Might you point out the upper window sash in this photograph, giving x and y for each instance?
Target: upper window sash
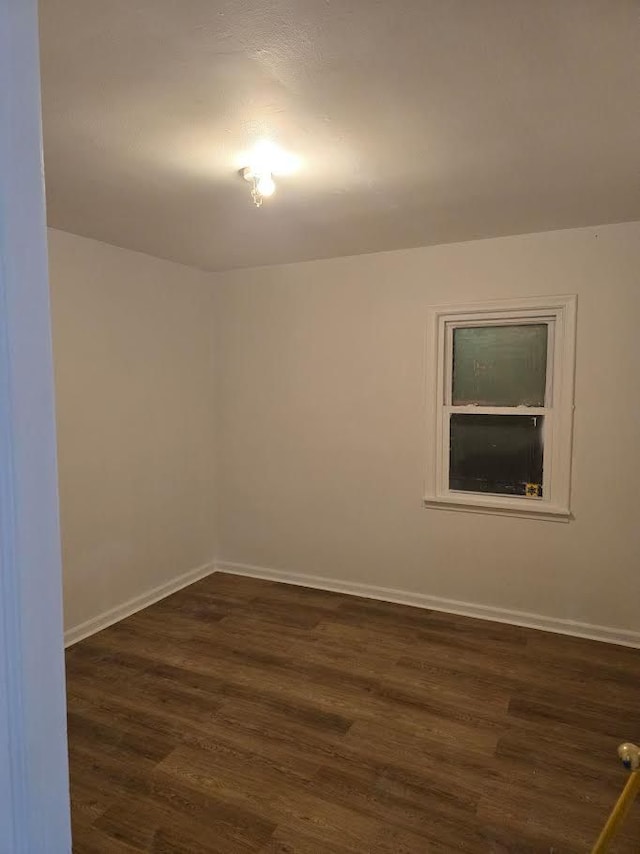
(449, 327)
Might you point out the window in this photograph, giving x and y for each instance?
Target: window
(500, 406)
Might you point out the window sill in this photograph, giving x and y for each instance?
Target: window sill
(532, 509)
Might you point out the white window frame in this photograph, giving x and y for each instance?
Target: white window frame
(560, 313)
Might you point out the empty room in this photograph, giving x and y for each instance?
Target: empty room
(344, 305)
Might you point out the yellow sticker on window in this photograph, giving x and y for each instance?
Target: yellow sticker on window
(533, 490)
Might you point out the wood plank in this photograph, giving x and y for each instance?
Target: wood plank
(241, 715)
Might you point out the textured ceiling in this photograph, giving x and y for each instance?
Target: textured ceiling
(418, 121)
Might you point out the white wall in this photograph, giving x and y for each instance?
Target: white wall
(314, 451)
(133, 362)
(320, 383)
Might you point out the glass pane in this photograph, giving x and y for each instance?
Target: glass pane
(500, 365)
(499, 454)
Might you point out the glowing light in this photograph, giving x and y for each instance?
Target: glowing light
(265, 160)
(266, 156)
(265, 185)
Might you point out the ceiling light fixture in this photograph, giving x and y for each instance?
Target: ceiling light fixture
(265, 161)
(262, 184)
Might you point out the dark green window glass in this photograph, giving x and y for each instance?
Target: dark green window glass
(499, 454)
(500, 365)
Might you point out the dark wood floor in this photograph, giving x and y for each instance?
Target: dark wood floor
(247, 716)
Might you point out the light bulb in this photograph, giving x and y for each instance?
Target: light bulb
(265, 185)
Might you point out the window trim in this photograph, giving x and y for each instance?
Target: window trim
(560, 312)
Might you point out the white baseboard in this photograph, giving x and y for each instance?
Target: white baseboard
(608, 634)
(114, 615)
